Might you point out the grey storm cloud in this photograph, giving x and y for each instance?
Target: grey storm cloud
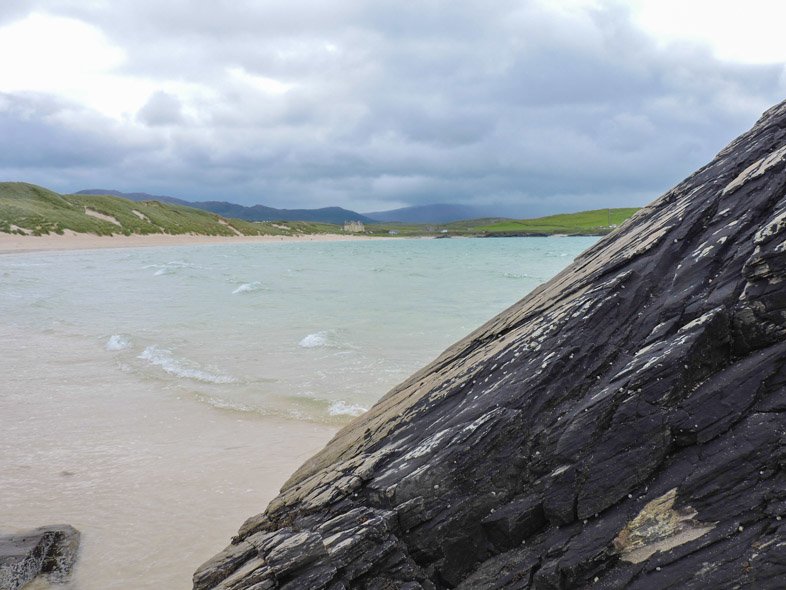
(44, 132)
(387, 104)
(161, 109)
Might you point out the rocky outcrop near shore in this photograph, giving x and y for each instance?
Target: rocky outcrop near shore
(623, 426)
(49, 551)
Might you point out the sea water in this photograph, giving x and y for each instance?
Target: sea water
(154, 397)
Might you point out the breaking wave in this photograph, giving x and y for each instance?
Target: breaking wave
(184, 368)
(316, 340)
(170, 267)
(117, 342)
(248, 288)
(342, 408)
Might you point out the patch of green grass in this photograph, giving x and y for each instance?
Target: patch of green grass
(30, 209)
(597, 221)
(306, 227)
(401, 230)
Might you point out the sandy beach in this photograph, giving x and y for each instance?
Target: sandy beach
(156, 481)
(13, 243)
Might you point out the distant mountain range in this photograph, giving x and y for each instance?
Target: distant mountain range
(440, 213)
(335, 215)
(29, 209)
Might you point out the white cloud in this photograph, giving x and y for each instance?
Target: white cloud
(746, 32)
(262, 84)
(569, 104)
(67, 58)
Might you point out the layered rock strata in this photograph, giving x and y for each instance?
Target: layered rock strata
(49, 551)
(623, 426)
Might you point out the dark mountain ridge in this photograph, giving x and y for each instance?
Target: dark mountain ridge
(334, 215)
(437, 213)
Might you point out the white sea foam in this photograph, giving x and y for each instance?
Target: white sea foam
(342, 408)
(315, 340)
(181, 264)
(163, 358)
(248, 288)
(170, 267)
(118, 342)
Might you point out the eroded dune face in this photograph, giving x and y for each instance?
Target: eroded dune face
(622, 426)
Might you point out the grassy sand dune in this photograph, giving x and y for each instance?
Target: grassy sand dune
(27, 209)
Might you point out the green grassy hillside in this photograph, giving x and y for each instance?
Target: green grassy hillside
(596, 222)
(29, 209)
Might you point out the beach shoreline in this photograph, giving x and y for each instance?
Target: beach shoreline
(156, 480)
(155, 398)
(18, 244)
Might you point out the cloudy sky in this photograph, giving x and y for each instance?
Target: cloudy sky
(528, 106)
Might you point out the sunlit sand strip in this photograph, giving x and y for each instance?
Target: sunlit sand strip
(13, 243)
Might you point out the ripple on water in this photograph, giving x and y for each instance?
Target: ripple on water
(183, 368)
(249, 288)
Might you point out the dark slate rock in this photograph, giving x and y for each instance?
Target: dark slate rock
(510, 524)
(623, 425)
(49, 551)
(219, 567)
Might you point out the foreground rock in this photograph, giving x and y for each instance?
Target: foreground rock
(50, 551)
(622, 426)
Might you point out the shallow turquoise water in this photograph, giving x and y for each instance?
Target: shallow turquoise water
(315, 330)
(147, 395)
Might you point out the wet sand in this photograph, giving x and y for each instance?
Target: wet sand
(156, 481)
(11, 243)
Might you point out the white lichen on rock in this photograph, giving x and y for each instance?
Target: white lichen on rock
(771, 228)
(756, 169)
(659, 527)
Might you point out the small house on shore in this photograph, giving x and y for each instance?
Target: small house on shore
(354, 227)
